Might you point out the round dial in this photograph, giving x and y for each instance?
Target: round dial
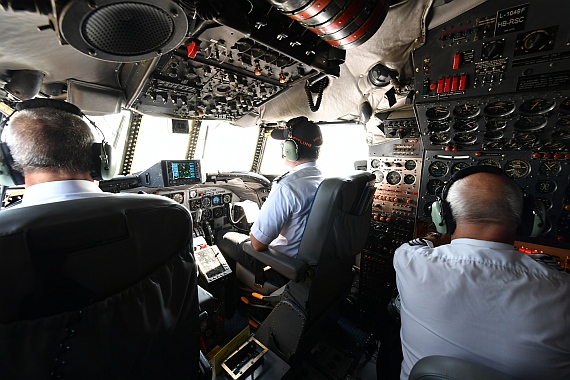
(433, 186)
(545, 186)
(410, 165)
(216, 200)
(177, 197)
(553, 146)
(496, 125)
(490, 162)
(550, 168)
(438, 169)
(458, 166)
(375, 163)
(226, 198)
(561, 134)
(492, 49)
(530, 123)
(193, 193)
(546, 202)
(517, 168)
(437, 113)
(537, 106)
(494, 145)
(206, 202)
(195, 204)
(512, 145)
(438, 127)
(531, 145)
(565, 121)
(409, 179)
(218, 212)
(565, 105)
(526, 137)
(440, 139)
(493, 135)
(465, 126)
(499, 109)
(379, 175)
(466, 111)
(466, 138)
(393, 178)
(207, 213)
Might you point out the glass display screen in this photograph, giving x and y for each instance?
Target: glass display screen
(184, 170)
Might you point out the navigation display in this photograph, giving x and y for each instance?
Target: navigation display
(182, 172)
(186, 170)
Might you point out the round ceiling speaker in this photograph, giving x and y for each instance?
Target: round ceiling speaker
(119, 31)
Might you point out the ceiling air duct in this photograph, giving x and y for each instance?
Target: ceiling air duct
(341, 23)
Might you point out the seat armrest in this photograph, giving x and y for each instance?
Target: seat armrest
(289, 267)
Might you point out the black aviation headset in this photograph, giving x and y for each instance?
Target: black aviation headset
(103, 165)
(533, 218)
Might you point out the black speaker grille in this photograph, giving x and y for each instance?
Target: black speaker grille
(128, 29)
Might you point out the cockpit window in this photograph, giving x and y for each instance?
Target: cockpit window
(343, 144)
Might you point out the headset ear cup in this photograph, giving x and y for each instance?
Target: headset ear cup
(8, 175)
(441, 217)
(290, 150)
(103, 165)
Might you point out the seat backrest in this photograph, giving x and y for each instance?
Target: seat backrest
(97, 288)
(335, 233)
(438, 367)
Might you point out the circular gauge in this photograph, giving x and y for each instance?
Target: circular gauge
(226, 198)
(546, 202)
(499, 109)
(218, 212)
(466, 111)
(178, 198)
(437, 113)
(525, 137)
(494, 145)
(492, 49)
(561, 134)
(490, 162)
(537, 106)
(465, 126)
(433, 186)
(216, 200)
(550, 168)
(393, 178)
(379, 175)
(517, 168)
(193, 193)
(438, 169)
(410, 165)
(512, 145)
(375, 163)
(565, 105)
(545, 186)
(530, 123)
(565, 121)
(458, 166)
(409, 179)
(553, 146)
(531, 145)
(496, 125)
(493, 135)
(206, 202)
(438, 127)
(207, 213)
(467, 138)
(440, 139)
(195, 204)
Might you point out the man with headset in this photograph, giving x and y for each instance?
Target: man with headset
(48, 143)
(478, 298)
(282, 217)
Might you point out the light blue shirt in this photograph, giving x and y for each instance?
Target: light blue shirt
(487, 303)
(282, 218)
(57, 191)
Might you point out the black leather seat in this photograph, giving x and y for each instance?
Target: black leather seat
(438, 367)
(322, 273)
(98, 288)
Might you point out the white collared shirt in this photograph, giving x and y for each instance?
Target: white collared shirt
(283, 216)
(57, 191)
(484, 302)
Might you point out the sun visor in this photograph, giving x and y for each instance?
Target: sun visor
(94, 99)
